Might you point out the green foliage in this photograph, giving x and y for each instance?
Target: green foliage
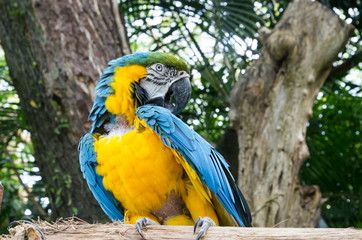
(16, 158)
(334, 132)
(210, 36)
(334, 141)
(349, 9)
(12, 207)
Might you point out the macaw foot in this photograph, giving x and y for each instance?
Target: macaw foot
(142, 223)
(204, 224)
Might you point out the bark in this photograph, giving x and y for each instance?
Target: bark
(55, 52)
(271, 105)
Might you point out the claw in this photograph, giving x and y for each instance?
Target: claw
(204, 224)
(142, 223)
(196, 223)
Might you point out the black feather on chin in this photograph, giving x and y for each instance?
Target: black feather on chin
(157, 101)
(140, 94)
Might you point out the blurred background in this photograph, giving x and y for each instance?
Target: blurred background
(219, 40)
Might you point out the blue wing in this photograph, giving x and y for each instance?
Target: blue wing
(210, 166)
(88, 162)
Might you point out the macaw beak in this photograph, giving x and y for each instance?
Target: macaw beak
(181, 91)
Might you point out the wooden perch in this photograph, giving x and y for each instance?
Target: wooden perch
(71, 230)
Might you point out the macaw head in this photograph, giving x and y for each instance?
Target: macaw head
(138, 79)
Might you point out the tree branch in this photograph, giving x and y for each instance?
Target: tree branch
(347, 65)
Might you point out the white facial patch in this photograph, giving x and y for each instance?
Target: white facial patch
(158, 80)
(153, 90)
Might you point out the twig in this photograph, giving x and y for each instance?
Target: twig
(280, 222)
(27, 222)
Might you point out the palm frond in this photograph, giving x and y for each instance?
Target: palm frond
(209, 34)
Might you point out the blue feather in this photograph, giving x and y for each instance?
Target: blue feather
(210, 166)
(88, 162)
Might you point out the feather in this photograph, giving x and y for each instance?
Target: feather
(88, 162)
(210, 166)
(105, 86)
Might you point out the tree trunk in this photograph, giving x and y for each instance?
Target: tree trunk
(271, 105)
(55, 52)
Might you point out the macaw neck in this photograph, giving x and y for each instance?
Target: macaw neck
(121, 120)
(119, 128)
(122, 101)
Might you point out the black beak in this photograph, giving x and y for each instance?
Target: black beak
(181, 90)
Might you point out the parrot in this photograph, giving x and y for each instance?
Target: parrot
(143, 164)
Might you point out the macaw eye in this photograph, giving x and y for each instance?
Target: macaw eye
(159, 67)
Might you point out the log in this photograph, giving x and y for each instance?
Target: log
(71, 230)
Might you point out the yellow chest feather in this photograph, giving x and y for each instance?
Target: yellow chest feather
(138, 169)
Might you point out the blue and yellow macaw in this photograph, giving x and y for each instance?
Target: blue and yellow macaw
(143, 164)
